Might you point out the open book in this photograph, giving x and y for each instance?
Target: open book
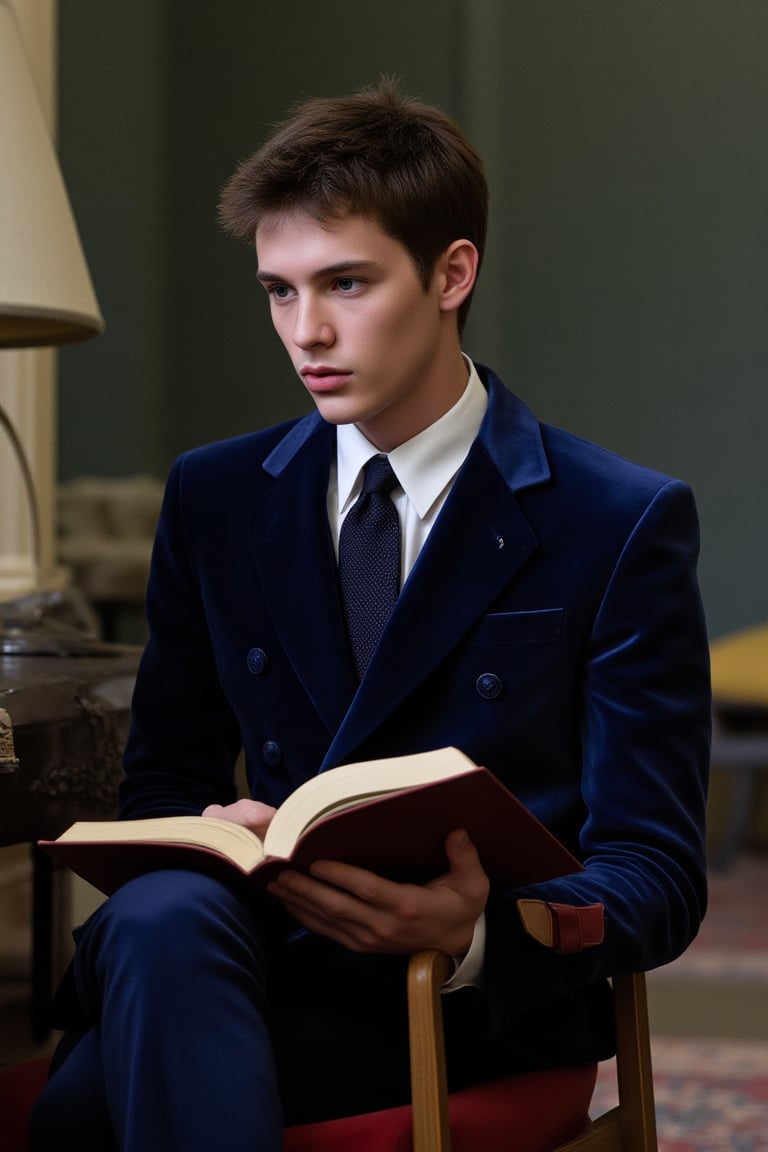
(390, 816)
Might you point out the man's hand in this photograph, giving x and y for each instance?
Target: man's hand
(367, 913)
(251, 813)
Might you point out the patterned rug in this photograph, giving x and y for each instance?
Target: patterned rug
(712, 1094)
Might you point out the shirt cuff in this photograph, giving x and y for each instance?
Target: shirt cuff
(468, 970)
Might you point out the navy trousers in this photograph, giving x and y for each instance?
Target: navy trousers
(206, 1024)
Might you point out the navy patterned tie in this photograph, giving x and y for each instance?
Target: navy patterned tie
(369, 560)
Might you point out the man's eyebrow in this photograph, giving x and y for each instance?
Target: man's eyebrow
(343, 268)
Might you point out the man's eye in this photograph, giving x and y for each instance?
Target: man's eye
(279, 291)
(347, 283)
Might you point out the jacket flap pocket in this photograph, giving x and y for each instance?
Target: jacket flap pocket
(521, 627)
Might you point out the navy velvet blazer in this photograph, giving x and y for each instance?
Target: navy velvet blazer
(551, 628)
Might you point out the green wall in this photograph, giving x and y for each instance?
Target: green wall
(625, 291)
(113, 143)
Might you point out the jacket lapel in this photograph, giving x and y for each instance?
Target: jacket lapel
(293, 552)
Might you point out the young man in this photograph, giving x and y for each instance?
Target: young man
(548, 624)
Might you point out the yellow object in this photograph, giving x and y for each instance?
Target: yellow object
(740, 667)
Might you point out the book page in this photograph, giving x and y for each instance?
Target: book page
(232, 840)
(351, 784)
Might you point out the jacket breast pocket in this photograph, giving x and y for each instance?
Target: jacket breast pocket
(536, 627)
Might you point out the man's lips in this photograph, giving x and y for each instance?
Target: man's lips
(320, 378)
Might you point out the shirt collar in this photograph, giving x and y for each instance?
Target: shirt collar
(426, 463)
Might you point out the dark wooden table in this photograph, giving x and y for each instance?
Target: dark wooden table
(70, 718)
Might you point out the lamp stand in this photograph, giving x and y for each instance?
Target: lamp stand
(44, 623)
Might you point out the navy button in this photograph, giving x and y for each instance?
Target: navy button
(272, 753)
(489, 685)
(257, 661)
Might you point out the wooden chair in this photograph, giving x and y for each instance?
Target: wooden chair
(630, 1127)
(535, 1112)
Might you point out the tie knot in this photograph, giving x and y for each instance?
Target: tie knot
(378, 476)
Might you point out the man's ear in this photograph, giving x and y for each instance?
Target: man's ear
(456, 273)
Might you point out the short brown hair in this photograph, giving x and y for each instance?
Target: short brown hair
(378, 154)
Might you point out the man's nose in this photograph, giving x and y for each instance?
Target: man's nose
(312, 325)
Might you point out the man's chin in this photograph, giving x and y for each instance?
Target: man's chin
(336, 410)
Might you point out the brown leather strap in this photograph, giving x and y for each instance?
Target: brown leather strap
(566, 928)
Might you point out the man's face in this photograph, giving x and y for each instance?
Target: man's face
(371, 345)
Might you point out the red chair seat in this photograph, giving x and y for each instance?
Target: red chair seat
(541, 1109)
(19, 1087)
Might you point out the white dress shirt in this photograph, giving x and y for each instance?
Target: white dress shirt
(425, 467)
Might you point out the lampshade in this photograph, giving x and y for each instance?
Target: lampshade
(46, 295)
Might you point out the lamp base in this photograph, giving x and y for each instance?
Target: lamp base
(50, 624)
